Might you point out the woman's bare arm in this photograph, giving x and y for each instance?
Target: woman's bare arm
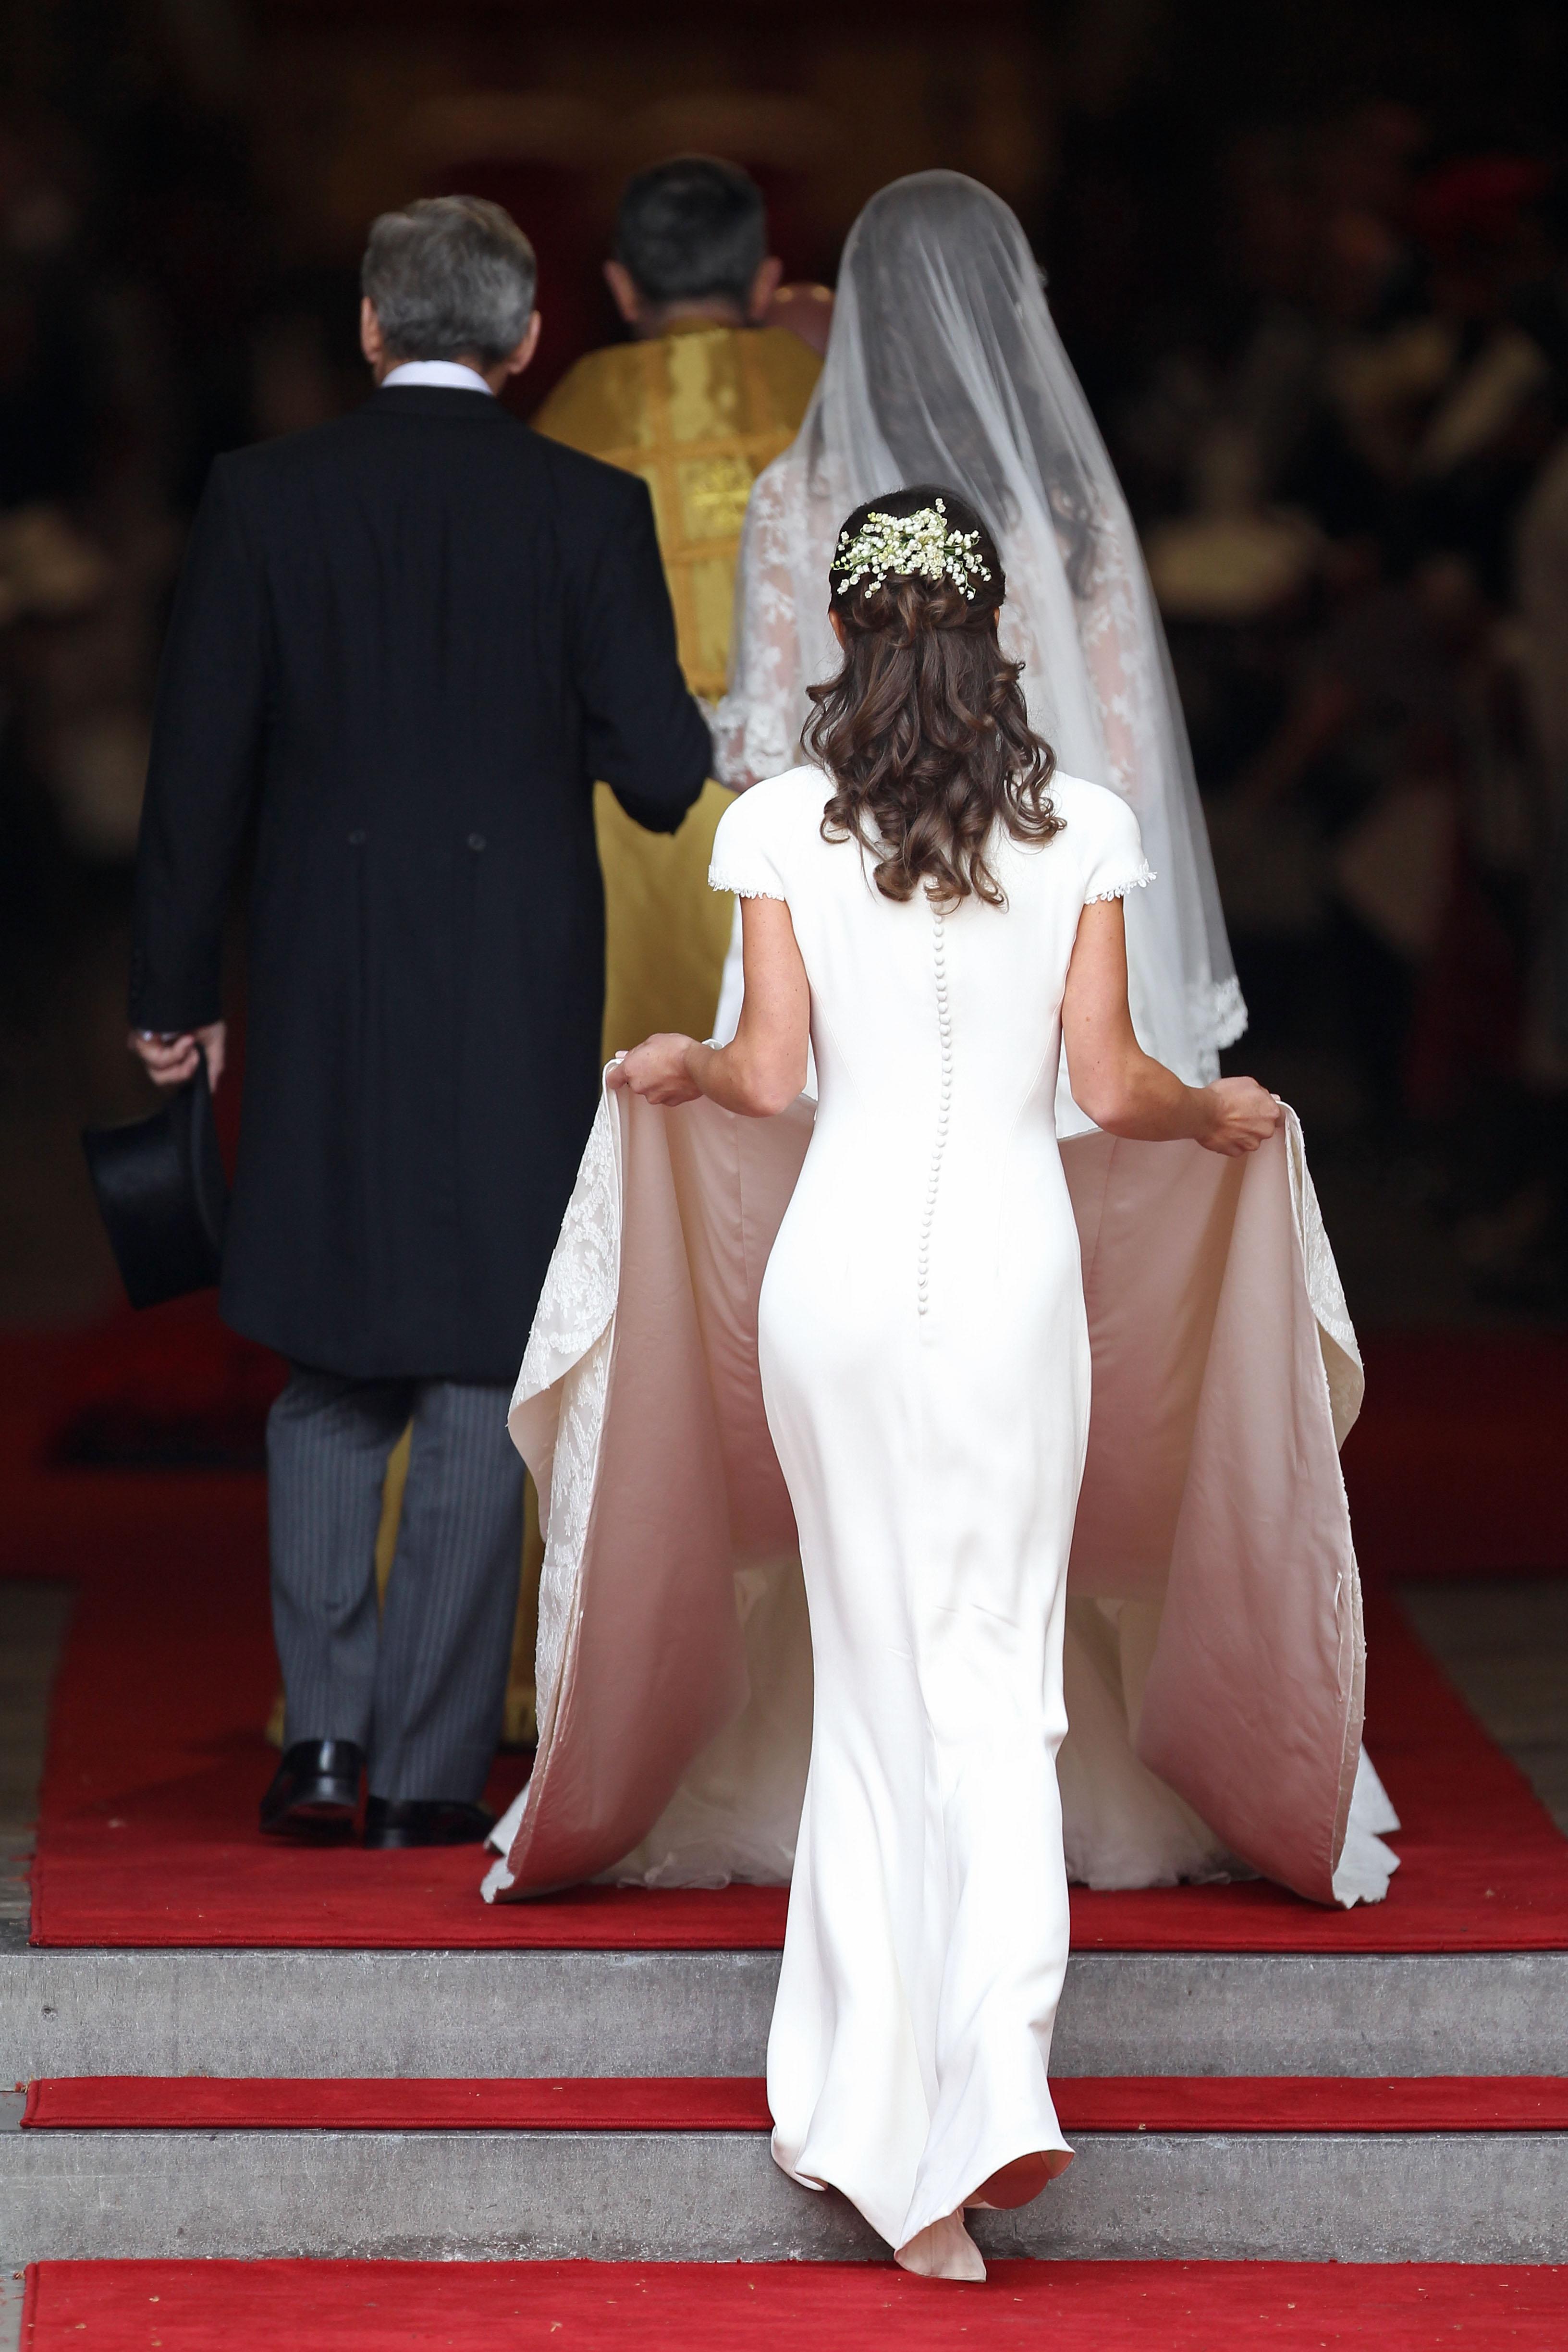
(762, 1068)
(1123, 1089)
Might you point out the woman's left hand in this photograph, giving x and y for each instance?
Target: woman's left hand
(1240, 1115)
(657, 1070)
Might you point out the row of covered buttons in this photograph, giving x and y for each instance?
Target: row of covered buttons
(944, 1101)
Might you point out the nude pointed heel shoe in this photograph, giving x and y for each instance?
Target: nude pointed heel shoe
(944, 2249)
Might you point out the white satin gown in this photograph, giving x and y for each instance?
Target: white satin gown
(925, 1365)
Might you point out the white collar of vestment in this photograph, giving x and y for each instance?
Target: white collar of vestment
(451, 373)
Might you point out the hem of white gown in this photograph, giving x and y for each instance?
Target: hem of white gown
(1029, 2140)
(943, 2249)
(1365, 1864)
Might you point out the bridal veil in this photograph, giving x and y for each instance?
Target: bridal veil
(944, 366)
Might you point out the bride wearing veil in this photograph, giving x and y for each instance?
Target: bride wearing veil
(943, 364)
(1214, 1655)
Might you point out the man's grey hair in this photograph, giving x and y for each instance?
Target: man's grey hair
(447, 276)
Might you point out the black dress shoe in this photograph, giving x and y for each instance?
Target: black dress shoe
(315, 1791)
(425, 1821)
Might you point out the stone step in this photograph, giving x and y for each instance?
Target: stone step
(708, 2196)
(11, 2289)
(324, 2013)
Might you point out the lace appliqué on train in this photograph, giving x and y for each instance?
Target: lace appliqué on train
(570, 1346)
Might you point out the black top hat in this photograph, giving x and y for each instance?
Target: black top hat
(163, 1193)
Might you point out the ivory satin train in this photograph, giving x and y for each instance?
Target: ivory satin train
(1214, 1653)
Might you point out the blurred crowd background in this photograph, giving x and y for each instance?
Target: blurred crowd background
(1311, 263)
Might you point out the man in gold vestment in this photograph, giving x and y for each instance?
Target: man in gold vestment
(699, 401)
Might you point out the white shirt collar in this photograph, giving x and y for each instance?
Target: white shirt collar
(452, 373)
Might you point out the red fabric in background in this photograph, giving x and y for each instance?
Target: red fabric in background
(157, 1764)
(1085, 2103)
(385, 2307)
(1459, 1466)
(169, 1389)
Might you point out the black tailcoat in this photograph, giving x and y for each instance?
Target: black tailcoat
(406, 644)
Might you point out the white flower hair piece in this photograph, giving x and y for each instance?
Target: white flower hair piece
(904, 545)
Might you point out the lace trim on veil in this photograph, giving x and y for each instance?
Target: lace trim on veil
(1219, 1010)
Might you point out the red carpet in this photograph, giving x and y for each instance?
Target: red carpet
(1174, 2103)
(156, 1766)
(584, 2102)
(290, 2306)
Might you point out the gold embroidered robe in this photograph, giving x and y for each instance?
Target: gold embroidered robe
(698, 413)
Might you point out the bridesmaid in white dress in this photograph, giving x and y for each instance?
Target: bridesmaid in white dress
(936, 909)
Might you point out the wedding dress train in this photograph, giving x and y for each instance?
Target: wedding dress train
(670, 1537)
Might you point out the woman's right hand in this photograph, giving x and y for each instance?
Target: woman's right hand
(657, 1070)
(1240, 1115)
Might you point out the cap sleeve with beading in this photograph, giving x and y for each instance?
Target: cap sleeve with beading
(1116, 863)
(743, 861)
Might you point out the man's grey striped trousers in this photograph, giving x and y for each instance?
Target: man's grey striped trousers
(420, 1684)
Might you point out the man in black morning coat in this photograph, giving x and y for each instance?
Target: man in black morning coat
(405, 646)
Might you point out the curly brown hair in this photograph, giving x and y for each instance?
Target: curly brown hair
(924, 731)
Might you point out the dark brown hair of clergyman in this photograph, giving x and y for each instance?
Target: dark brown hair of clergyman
(924, 731)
